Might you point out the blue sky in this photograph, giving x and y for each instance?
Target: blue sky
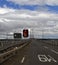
(14, 5)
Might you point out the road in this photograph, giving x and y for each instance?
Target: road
(35, 53)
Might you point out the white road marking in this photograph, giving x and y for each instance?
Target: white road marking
(54, 51)
(22, 59)
(51, 59)
(51, 49)
(44, 58)
(45, 47)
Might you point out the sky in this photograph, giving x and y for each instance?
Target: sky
(41, 16)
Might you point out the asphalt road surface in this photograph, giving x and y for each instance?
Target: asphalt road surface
(35, 53)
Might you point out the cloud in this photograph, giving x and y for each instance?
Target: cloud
(5, 10)
(26, 1)
(52, 2)
(13, 20)
(38, 2)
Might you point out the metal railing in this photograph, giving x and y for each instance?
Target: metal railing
(10, 47)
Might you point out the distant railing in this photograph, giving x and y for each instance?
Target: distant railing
(45, 34)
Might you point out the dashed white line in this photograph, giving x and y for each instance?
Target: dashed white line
(51, 49)
(22, 61)
(54, 51)
(45, 47)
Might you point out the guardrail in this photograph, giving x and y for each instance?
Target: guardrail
(12, 50)
(53, 42)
